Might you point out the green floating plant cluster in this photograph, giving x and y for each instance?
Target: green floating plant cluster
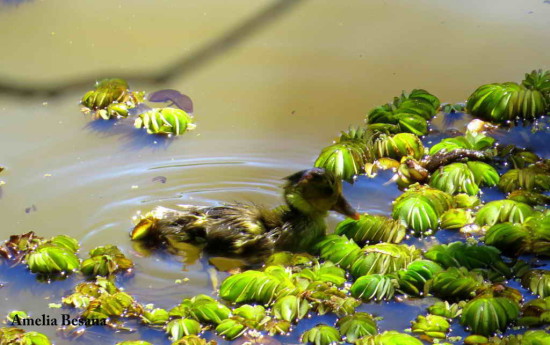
(112, 98)
(57, 257)
(17, 336)
(511, 101)
(407, 113)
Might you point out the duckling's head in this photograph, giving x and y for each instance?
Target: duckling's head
(315, 192)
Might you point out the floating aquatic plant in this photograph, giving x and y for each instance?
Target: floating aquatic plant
(372, 229)
(501, 211)
(487, 314)
(102, 300)
(165, 121)
(460, 254)
(420, 208)
(201, 308)
(353, 327)
(291, 308)
(535, 312)
(54, 256)
(17, 336)
(446, 309)
(388, 338)
(340, 250)
(413, 279)
(530, 236)
(455, 284)
(456, 218)
(528, 338)
(348, 155)
(251, 286)
(432, 326)
(464, 177)
(529, 198)
(470, 140)
(374, 287)
(384, 258)
(506, 102)
(537, 281)
(407, 113)
(111, 98)
(178, 328)
(156, 316)
(532, 178)
(321, 335)
(398, 146)
(104, 261)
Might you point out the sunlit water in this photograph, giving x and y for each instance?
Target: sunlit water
(267, 99)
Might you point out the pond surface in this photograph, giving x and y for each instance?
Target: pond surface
(272, 83)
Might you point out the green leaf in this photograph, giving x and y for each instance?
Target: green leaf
(470, 141)
(485, 315)
(456, 218)
(532, 236)
(231, 329)
(106, 92)
(355, 326)
(344, 159)
(446, 310)
(372, 229)
(464, 200)
(340, 250)
(290, 308)
(49, 258)
(535, 312)
(321, 335)
(398, 146)
(538, 282)
(460, 254)
(432, 326)
(165, 121)
(375, 287)
(155, 317)
(384, 258)
(420, 208)
(500, 211)
(389, 338)
(505, 102)
(251, 313)
(413, 279)
(455, 284)
(325, 272)
(180, 327)
(532, 178)
(538, 80)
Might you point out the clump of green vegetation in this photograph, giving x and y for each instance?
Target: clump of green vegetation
(511, 101)
(165, 121)
(111, 98)
(17, 336)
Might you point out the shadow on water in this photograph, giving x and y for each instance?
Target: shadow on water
(132, 139)
(186, 64)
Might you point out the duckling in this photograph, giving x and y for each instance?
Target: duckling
(249, 229)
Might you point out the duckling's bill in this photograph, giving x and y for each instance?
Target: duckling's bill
(342, 206)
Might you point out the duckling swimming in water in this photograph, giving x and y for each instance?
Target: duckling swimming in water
(252, 230)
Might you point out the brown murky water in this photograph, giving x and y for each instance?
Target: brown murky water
(273, 82)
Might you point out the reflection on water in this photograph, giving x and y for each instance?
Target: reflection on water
(276, 83)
